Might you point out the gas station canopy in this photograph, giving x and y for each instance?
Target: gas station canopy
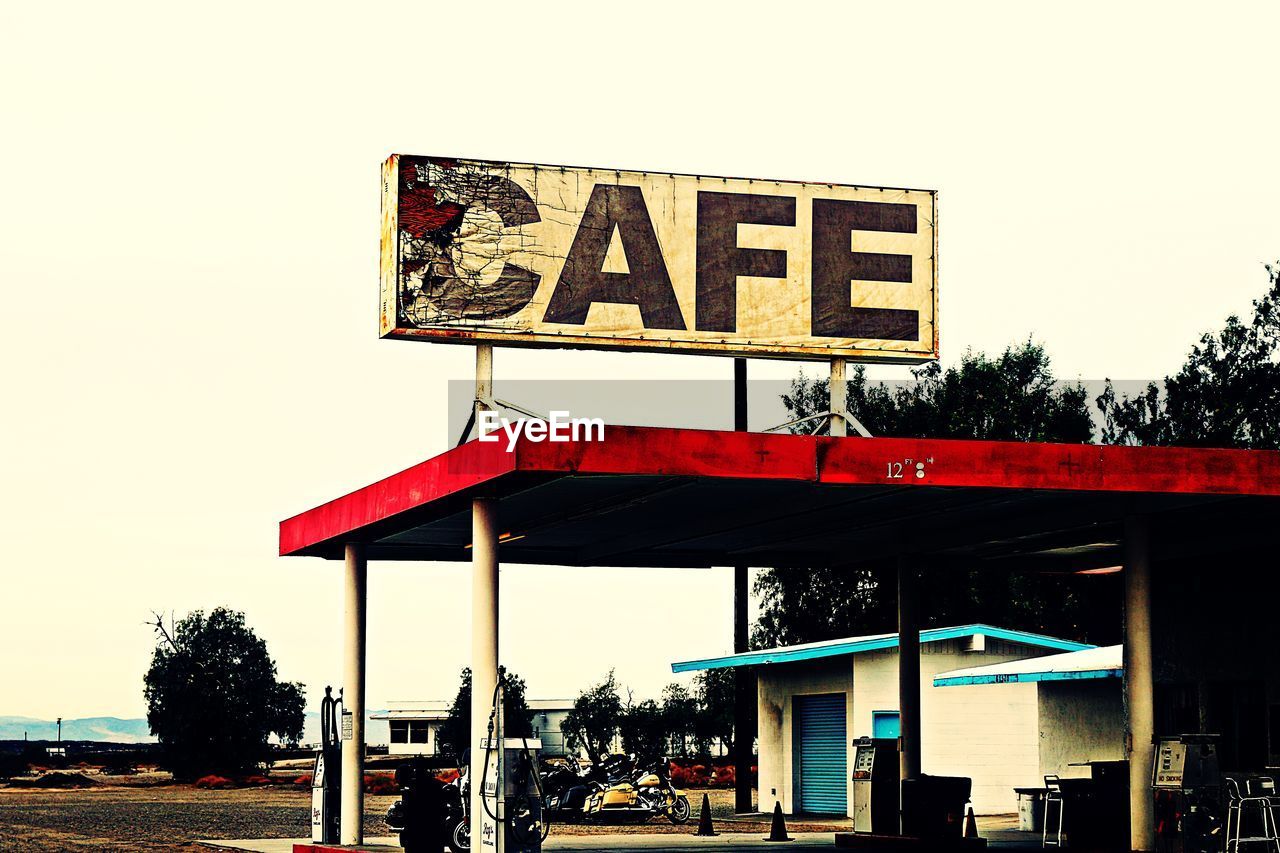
(694, 498)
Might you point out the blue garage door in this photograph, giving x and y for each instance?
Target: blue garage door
(823, 754)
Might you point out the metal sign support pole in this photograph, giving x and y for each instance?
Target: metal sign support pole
(839, 407)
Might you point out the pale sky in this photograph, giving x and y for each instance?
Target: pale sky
(189, 210)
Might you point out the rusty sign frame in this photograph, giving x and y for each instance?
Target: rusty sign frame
(392, 319)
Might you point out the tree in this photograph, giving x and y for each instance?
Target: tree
(643, 729)
(1227, 394)
(594, 720)
(455, 732)
(715, 708)
(680, 710)
(213, 699)
(1014, 397)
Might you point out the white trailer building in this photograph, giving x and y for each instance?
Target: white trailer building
(415, 725)
(815, 699)
(1079, 704)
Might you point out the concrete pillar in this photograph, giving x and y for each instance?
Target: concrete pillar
(839, 405)
(909, 666)
(484, 653)
(744, 687)
(744, 698)
(355, 589)
(1139, 681)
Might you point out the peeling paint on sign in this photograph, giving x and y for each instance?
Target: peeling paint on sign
(519, 254)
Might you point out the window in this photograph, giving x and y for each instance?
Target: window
(399, 731)
(419, 732)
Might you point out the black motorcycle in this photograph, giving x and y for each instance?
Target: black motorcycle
(564, 789)
(428, 807)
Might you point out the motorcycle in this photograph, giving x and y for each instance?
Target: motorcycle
(647, 794)
(454, 826)
(565, 790)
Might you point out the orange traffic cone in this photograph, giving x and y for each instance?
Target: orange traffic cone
(778, 831)
(704, 819)
(970, 825)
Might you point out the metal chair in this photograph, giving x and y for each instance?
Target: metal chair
(1241, 802)
(1054, 787)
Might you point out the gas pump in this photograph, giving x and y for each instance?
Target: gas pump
(512, 818)
(326, 775)
(875, 786)
(1188, 789)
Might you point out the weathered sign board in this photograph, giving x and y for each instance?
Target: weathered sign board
(525, 255)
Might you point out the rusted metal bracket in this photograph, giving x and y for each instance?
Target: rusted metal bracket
(821, 419)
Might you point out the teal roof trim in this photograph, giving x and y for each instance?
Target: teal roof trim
(1027, 677)
(856, 645)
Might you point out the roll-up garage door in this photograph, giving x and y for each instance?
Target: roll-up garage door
(823, 754)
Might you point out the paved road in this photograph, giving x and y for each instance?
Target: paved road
(727, 842)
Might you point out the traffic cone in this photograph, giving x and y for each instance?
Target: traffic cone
(704, 819)
(970, 825)
(778, 831)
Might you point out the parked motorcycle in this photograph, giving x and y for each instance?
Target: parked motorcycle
(649, 793)
(449, 814)
(565, 788)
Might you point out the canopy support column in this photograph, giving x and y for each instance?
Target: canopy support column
(908, 666)
(744, 684)
(1139, 689)
(484, 655)
(355, 588)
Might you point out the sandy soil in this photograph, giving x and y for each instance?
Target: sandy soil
(116, 817)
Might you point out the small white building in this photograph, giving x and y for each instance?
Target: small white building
(1079, 704)
(414, 725)
(815, 699)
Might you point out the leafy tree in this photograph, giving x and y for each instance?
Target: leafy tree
(594, 720)
(1014, 397)
(1227, 394)
(455, 732)
(213, 699)
(715, 708)
(680, 710)
(643, 729)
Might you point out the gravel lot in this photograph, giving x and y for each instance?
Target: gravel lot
(172, 817)
(168, 817)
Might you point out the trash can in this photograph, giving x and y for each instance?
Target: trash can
(933, 807)
(1031, 808)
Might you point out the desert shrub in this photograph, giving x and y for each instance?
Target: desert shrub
(12, 765)
(55, 780)
(380, 783)
(214, 782)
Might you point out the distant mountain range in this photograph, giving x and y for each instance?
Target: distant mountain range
(136, 730)
(113, 729)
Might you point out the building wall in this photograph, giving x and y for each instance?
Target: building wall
(988, 733)
(777, 686)
(549, 727)
(1079, 721)
(426, 749)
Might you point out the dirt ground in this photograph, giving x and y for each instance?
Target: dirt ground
(116, 817)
